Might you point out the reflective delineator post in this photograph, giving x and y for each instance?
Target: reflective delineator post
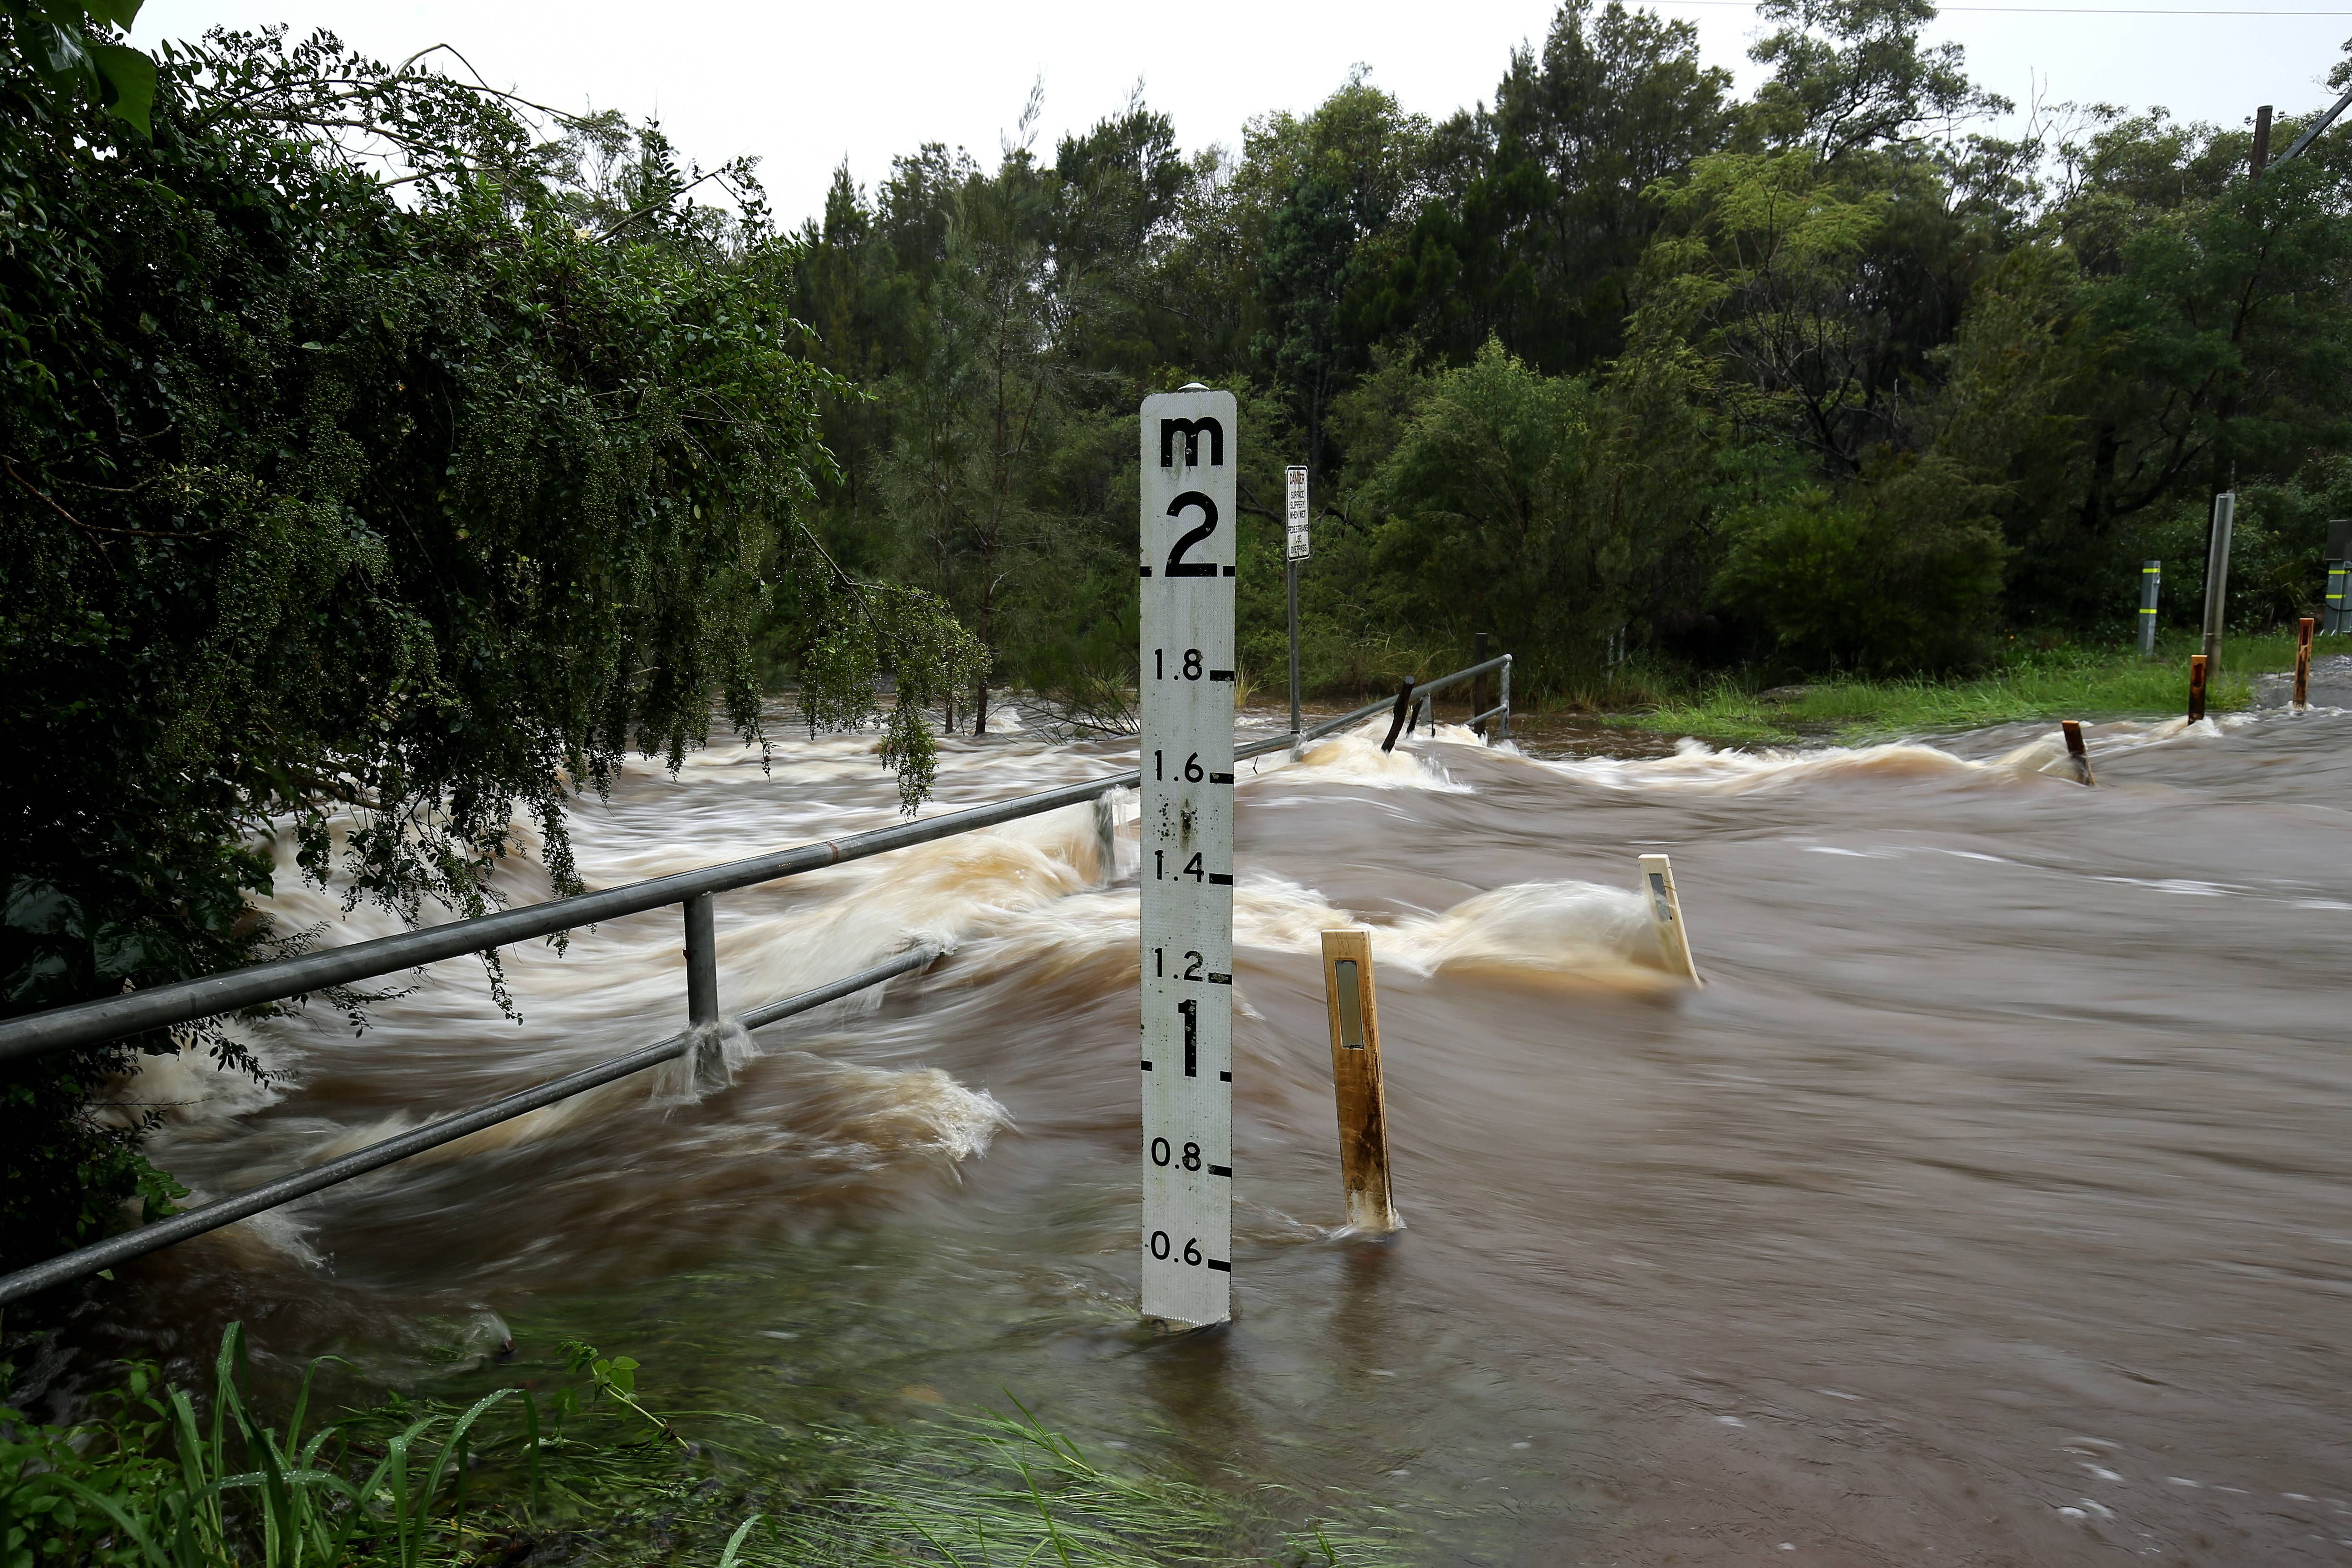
(2196, 686)
(2151, 580)
(2302, 662)
(2078, 752)
(1355, 1080)
(1667, 917)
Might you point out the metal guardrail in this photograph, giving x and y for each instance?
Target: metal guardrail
(110, 1017)
(154, 1237)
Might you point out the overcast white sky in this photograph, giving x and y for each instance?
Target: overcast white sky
(803, 86)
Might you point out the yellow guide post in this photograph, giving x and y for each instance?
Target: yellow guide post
(1356, 1080)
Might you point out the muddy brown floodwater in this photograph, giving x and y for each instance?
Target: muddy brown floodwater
(1991, 1205)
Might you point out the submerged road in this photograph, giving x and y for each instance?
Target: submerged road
(1992, 1204)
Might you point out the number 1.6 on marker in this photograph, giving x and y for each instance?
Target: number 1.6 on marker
(1191, 447)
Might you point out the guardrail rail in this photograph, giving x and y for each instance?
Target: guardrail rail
(230, 991)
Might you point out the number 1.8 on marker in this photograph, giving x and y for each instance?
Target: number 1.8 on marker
(1190, 449)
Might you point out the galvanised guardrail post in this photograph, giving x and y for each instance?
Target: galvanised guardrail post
(701, 961)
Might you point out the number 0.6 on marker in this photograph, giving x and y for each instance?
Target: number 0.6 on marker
(1185, 576)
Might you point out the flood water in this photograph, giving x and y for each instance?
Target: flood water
(1992, 1204)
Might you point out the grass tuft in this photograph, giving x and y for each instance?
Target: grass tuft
(154, 1483)
(2068, 683)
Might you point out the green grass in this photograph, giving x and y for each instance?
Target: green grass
(586, 1471)
(2066, 683)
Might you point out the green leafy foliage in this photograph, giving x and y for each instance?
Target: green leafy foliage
(1829, 350)
(376, 528)
(1889, 580)
(69, 46)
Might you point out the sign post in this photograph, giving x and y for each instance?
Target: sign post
(1293, 553)
(2217, 578)
(1190, 449)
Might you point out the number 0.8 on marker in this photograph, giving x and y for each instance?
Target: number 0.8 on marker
(1191, 447)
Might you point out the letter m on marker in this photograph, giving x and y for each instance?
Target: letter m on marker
(1191, 430)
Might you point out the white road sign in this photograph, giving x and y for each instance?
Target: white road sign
(1297, 513)
(1191, 447)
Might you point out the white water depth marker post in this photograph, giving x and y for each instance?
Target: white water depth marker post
(1191, 447)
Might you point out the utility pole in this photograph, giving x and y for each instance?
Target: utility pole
(2262, 141)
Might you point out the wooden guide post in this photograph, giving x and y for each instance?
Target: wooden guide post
(2080, 753)
(1355, 1080)
(2196, 686)
(1667, 917)
(2303, 663)
(1192, 445)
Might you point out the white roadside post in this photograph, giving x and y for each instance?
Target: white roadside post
(1191, 449)
(1295, 552)
(1666, 918)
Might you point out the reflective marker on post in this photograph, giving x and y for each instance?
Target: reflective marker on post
(1191, 447)
(1667, 917)
(1356, 1082)
(2151, 579)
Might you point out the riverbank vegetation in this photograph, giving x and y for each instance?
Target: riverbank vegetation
(377, 474)
(1832, 380)
(2061, 683)
(2026, 680)
(574, 1462)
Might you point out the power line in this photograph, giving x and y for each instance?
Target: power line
(2052, 10)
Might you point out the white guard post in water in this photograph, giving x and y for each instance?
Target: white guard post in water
(1191, 447)
(1667, 917)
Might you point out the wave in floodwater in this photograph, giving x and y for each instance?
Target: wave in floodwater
(1997, 1172)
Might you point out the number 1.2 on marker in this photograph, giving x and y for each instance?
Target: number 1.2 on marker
(1189, 451)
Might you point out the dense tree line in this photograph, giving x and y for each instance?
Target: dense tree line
(1829, 378)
